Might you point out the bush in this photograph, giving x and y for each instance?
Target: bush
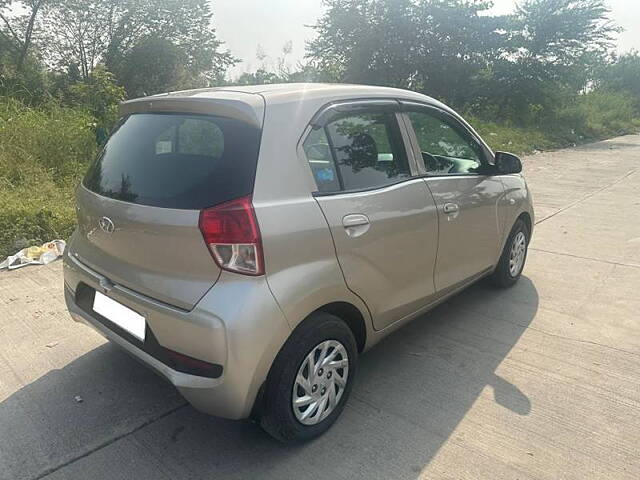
(596, 115)
(583, 118)
(100, 96)
(509, 138)
(43, 154)
(622, 75)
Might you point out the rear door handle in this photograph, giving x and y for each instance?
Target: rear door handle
(355, 224)
(355, 220)
(450, 208)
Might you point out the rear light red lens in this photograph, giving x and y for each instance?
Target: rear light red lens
(231, 232)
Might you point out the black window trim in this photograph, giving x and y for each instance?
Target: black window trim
(329, 112)
(341, 108)
(333, 157)
(414, 106)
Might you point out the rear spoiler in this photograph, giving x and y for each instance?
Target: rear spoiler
(245, 107)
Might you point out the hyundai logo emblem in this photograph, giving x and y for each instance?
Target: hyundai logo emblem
(106, 225)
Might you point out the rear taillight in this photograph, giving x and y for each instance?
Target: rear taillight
(231, 232)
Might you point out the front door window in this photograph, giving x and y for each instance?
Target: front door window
(447, 149)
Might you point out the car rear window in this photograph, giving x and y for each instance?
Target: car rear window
(176, 161)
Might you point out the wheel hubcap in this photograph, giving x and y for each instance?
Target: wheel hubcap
(320, 382)
(517, 253)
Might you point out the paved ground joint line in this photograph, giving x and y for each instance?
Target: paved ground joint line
(91, 451)
(563, 254)
(587, 196)
(550, 334)
(583, 341)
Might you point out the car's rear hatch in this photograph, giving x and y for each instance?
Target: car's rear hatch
(139, 204)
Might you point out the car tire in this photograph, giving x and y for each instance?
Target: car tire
(299, 358)
(508, 271)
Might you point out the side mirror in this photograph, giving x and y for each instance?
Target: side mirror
(507, 163)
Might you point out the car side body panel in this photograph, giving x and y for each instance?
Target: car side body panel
(389, 264)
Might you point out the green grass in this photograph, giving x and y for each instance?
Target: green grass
(588, 118)
(512, 139)
(43, 154)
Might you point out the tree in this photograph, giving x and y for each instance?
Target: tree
(437, 46)
(281, 62)
(100, 96)
(283, 73)
(366, 41)
(622, 74)
(154, 65)
(552, 52)
(185, 23)
(10, 37)
(561, 32)
(259, 77)
(457, 43)
(90, 32)
(21, 72)
(454, 50)
(77, 33)
(17, 31)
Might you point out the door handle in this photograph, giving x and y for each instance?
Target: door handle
(355, 224)
(450, 208)
(355, 220)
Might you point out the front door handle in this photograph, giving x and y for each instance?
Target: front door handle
(450, 208)
(355, 224)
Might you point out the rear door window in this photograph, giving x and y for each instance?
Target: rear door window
(177, 161)
(357, 152)
(369, 150)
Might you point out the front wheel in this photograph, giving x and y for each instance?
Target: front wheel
(310, 380)
(514, 255)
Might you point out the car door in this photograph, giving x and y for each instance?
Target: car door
(468, 197)
(382, 217)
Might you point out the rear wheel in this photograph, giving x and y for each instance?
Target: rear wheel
(310, 380)
(514, 255)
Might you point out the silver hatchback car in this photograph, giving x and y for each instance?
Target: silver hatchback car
(248, 243)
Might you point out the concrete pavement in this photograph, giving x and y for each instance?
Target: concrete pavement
(538, 382)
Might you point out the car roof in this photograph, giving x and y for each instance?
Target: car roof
(247, 102)
(287, 92)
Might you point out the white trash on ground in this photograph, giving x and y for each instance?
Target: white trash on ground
(35, 255)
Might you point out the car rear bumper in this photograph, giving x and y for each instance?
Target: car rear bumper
(236, 325)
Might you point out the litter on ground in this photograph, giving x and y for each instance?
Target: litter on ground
(35, 255)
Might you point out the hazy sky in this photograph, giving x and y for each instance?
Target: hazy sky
(245, 24)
